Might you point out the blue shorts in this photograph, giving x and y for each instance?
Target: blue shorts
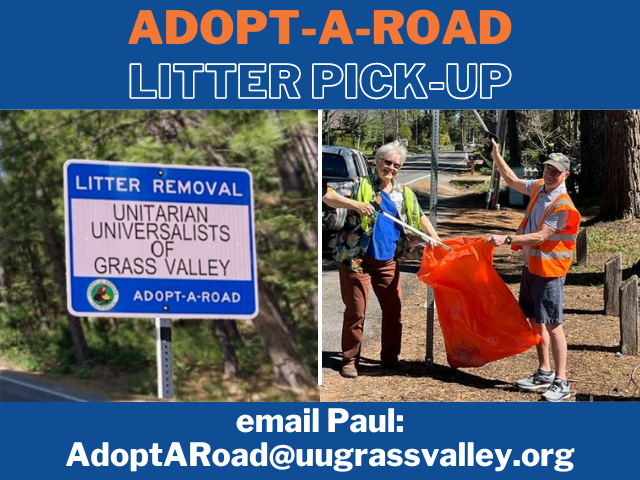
(541, 298)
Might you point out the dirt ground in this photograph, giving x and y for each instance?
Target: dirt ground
(596, 370)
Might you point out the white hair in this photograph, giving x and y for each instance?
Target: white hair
(392, 148)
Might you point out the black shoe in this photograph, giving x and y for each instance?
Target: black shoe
(397, 366)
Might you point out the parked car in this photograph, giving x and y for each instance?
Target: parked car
(472, 145)
(459, 147)
(339, 165)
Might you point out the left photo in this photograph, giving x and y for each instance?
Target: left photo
(158, 256)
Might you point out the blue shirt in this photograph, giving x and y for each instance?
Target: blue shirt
(386, 233)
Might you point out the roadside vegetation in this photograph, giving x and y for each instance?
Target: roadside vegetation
(273, 357)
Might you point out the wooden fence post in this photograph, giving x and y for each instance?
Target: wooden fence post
(629, 316)
(581, 247)
(612, 281)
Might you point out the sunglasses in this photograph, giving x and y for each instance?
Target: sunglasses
(389, 163)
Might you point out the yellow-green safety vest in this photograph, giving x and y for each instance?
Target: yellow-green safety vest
(365, 195)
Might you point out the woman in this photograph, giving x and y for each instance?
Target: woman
(367, 250)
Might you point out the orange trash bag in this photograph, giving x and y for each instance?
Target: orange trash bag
(480, 318)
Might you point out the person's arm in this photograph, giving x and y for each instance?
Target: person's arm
(535, 238)
(335, 200)
(427, 227)
(509, 177)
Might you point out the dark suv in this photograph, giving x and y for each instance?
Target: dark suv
(459, 147)
(339, 165)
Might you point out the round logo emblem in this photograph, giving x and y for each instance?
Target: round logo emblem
(102, 295)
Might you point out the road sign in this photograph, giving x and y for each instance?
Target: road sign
(164, 241)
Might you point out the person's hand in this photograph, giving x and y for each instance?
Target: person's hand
(496, 240)
(430, 244)
(490, 142)
(364, 209)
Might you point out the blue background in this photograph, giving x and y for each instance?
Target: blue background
(128, 286)
(601, 449)
(563, 55)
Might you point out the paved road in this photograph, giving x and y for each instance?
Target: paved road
(15, 387)
(416, 169)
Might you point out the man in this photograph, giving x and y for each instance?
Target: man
(547, 237)
(367, 251)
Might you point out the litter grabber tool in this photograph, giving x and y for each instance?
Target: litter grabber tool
(487, 148)
(378, 211)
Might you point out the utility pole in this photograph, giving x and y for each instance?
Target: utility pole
(494, 203)
(433, 204)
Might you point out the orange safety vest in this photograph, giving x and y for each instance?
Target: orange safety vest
(552, 259)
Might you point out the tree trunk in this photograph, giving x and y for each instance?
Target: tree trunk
(300, 169)
(4, 298)
(224, 330)
(621, 197)
(288, 367)
(56, 253)
(491, 120)
(514, 145)
(327, 127)
(557, 121)
(592, 152)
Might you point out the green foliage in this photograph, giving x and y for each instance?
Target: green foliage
(33, 148)
(530, 156)
(405, 132)
(345, 141)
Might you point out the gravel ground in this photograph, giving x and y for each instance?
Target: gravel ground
(595, 369)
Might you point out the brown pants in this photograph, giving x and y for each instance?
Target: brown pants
(385, 279)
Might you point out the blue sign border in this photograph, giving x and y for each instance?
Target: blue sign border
(77, 302)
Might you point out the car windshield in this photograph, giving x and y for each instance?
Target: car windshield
(333, 166)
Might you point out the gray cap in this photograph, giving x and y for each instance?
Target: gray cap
(559, 161)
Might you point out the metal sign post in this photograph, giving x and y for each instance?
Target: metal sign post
(159, 241)
(164, 357)
(433, 204)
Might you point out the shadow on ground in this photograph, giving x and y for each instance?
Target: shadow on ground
(370, 367)
(581, 397)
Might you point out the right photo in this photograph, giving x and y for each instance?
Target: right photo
(480, 256)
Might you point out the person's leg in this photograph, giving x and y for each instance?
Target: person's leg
(550, 308)
(528, 303)
(559, 347)
(542, 348)
(561, 388)
(550, 314)
(529, 299)
(354, 287)
(385, 280)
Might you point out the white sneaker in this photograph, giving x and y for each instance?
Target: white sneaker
(560, 390)
(537, 381)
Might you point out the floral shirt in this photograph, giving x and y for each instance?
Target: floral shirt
(353, 240)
